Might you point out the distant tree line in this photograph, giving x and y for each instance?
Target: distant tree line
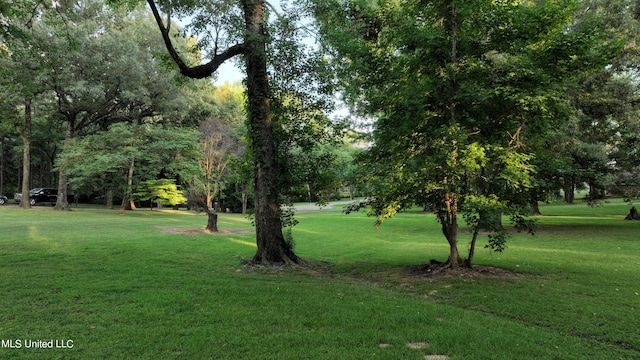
(101, 111)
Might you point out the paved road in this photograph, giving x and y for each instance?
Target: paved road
(329, 206)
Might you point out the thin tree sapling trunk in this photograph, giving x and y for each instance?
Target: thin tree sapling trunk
(62, 202)
(25, 135)
(472, 249)
(127, 201)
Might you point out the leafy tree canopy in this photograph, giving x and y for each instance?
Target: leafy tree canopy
(457, 89)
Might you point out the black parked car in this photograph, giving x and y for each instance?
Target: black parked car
(3, 199)
(42, 195)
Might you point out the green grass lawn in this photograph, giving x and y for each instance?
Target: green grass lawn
(123, 287)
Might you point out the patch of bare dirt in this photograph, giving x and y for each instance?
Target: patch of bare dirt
(411, 276)
(435, 271)
(181, 231)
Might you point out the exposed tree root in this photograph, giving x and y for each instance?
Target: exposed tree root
(460, 263)
(301, 264)
(283, 260)
(438, 270)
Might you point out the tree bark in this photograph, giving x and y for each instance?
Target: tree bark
(271, 245)
(1, 168)
(208, 198)
(472, 249)
(25, 135)
(569, 190)
(212, 221)
(62, 202)
(244, 201)
(109, 198)
(449, 221)
(535, 207)
(63, 178)
(127, 202)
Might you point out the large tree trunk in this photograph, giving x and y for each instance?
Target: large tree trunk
(535, 205)
(449, 220)
(25, 135)
(212, 221)
(272, 248)
(63, 178)
(62, 202)
(109, 197)
(569, 190)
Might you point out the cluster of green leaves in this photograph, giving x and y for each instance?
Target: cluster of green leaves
(161, 191)
(306, 141)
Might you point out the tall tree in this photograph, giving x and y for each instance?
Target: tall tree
(239, 29)
(217, 146)
(24, 130)
(457, 88)
(221, 133)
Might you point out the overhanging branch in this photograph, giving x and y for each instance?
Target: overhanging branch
(199, 71)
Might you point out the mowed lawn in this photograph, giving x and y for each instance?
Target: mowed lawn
(144, 286)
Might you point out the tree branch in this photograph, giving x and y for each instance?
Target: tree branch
(515, 137)
(199, 71)
(273, 8)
